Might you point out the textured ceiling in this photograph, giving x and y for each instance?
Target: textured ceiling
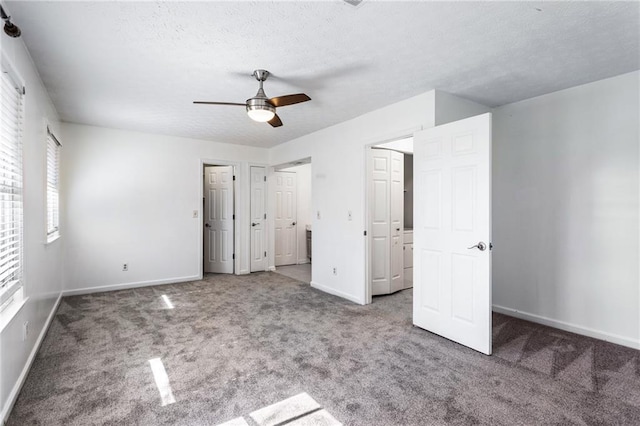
(139, 65)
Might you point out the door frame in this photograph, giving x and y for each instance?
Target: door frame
(392, 136)
(236, 222)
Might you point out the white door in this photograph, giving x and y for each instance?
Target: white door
(396, 215)
(452, 231)
(218, 219)
(285, 219)
(386, 220)
(258, 219)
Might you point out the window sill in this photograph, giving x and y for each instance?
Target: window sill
(52, 238)
(10, 312)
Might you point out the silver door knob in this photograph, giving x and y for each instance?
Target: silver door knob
(293, 224)
(207, 225)
(480, 246)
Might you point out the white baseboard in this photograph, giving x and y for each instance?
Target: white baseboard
(15, 391)
(573, 328)
(125, 286)
(271, 269)
(338, 293)
(303, 261)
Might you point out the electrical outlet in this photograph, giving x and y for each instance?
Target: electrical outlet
(335, 271)
(25, 330)
(195, 214)
(125, 267)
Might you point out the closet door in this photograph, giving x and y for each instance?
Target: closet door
(396, 210)
(386, 220)
(379, 203)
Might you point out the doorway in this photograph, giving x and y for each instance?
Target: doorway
(292, 220)
(218, 240)
(285, 219)
(451, 293)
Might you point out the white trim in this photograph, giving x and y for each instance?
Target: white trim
(338, 293)
(303, 261)
(573, 328)
(125, 286)
(271, 269)
(13, 395)
(10, 311)
(52, 238)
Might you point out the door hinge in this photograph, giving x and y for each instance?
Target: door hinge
(233, 216)
(234, 177)
(365, 233)
(265, 178)
(233, 256)
(265, 215)
(265, 254)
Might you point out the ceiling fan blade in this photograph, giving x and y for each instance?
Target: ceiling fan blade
(275, 121)
(218, 103)
(280, 101)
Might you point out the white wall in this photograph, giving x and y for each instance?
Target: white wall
(130, 198)
(42, 262)
(565, 209)
(451, 108)
(338, 158)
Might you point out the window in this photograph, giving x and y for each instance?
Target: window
(53, 184)
(10, 190)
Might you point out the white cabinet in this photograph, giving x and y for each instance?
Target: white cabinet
(408, 258)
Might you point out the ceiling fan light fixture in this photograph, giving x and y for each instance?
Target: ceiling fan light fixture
(260, 110)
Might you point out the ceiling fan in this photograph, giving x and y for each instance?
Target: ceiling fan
(263, 109)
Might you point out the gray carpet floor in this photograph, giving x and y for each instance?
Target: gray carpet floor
(298, 272)
(235, 344)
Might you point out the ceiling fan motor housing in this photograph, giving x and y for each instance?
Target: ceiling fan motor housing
(260, 103)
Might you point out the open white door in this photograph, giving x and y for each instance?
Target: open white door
(452, 231)
(386, 204)
(258, 219)
(285, 236)
(218, 219)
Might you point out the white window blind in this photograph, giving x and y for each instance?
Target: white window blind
(53, 184)
(11, 240)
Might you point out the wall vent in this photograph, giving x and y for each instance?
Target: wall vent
(355, 3)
